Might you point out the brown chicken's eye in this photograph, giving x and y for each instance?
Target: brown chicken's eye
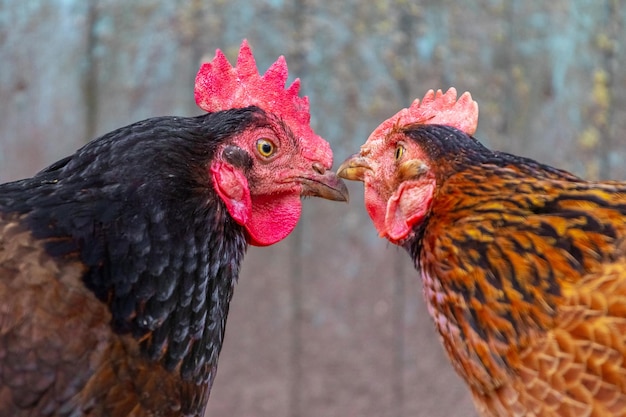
(265, 147)
(399, 151)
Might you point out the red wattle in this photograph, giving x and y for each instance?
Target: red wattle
(376, 207)
(273, 217)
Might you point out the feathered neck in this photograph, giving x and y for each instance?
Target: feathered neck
(159, 246)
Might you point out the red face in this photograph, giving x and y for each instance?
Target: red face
(399, 180)
(266, 197)
(399, 185)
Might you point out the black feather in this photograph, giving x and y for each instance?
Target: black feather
(137, 207)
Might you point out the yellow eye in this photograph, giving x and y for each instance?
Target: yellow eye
(265, 147)
(399, 152)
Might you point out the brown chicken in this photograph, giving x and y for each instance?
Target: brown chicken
(118, 263)
(523, 265)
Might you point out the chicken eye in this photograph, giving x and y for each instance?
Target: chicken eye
(399, 152)
(265, 147)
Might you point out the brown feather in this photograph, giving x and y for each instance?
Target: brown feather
(58, 351)
(531, 305)
(523, 264)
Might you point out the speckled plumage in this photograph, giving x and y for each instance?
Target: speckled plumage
(526, 266)
(524, 271)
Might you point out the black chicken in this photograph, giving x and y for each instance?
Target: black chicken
(117, 263)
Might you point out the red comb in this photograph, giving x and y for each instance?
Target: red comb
(437, 108)
(220, 86)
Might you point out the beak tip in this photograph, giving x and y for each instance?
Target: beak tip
(341, 190)
(327, 185)
(353, 168)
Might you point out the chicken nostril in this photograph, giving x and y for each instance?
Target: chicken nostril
(319, 168)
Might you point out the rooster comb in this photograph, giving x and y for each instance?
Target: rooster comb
(220, 86)
(436, 108)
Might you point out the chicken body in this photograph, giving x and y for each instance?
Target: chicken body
(524, 272)
(523, 266)
(117, 264)
(62, 357)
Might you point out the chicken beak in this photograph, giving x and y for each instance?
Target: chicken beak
(354, 168)
(324, 184)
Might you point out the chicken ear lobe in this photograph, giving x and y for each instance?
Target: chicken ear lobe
(232, 187)
(407, 207)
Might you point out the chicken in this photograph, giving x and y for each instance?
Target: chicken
(117, 263)
(523, 265)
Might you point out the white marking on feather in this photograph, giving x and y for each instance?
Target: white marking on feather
(435, 297)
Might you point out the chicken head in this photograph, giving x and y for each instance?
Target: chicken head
(399, 180)
(262, 173)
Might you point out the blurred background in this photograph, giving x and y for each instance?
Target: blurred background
(329, 322)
